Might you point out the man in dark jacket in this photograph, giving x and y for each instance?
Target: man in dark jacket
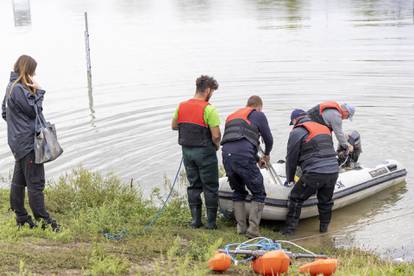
(198, 126)
(240, 143)
(310, 146)
(18, 110)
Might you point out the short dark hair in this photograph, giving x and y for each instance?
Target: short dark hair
(203, 82)
(254, 101)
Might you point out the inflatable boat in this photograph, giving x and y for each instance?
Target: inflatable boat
(352, 186)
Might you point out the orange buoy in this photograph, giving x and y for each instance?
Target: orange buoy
(326, 267)
(272, 263)
(220, 262)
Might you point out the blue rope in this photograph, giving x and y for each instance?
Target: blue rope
(261, 244)
(158, 214)
(121, 234)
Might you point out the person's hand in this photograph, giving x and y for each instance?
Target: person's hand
(288, 184)
(350, 148)
(342, 154)
(266, 158)
(34, 84)
(261, 163)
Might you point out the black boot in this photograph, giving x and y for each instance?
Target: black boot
(292, 217)
(52, 223)
(29, 221)
(211, 218)
(196, 217)
(323, 227)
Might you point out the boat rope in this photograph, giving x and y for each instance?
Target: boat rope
(363, 224)
(263, 244)
(121, 234)
(296, 245)
(275, 177)
(346, 160)
(258, 243)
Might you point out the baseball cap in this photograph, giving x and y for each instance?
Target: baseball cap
(296, 113)
(351, 110)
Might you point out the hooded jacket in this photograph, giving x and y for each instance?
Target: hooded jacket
(18, 110)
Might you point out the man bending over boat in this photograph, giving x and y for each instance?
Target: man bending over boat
(331, 114)
(240, 143)
(310, 146)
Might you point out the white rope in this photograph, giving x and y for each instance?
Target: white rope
(298, 246)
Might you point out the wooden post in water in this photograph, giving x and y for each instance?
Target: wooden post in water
(89, 68)
(88, 54)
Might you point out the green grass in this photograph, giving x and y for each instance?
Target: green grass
(88, 204)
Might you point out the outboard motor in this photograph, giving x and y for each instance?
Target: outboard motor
(350, 160)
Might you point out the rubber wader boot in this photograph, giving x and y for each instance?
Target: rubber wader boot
(196, 217)
(52, 223)
(211, 218)
(29, 221)
(290, 226)
(286, 231)
(239, 209)
(256, 209)
(323, 227)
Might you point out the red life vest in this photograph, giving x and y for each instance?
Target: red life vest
(238, 127)
(192, 111)
(318, 144)
(242, 113)
(192, 130)
(315, 113)
(314, 130)
(332, 105)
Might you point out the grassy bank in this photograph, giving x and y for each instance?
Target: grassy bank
(88, 205)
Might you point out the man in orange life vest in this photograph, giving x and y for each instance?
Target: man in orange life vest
(331, 115)
(310, 146)
(198, 126)
(240, 143)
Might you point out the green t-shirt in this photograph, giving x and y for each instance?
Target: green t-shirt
(211, 116)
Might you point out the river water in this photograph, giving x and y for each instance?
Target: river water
(146, 55)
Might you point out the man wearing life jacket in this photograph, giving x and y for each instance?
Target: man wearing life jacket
(240, 143)
(198, 125)
(310, 147)
(331, 115)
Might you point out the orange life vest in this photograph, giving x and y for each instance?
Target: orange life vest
(332, 105)
(314, 130)
(315, 113)
(238, 127)
(318, 143)
(192, 130)
(192, 112)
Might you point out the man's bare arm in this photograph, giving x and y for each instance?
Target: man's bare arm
(174, 124)
(216, 136)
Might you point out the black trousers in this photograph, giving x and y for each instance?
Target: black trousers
(323, 185)
(28, 174)
(242, 173)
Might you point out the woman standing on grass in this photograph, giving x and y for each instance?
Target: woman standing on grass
(23, 94)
